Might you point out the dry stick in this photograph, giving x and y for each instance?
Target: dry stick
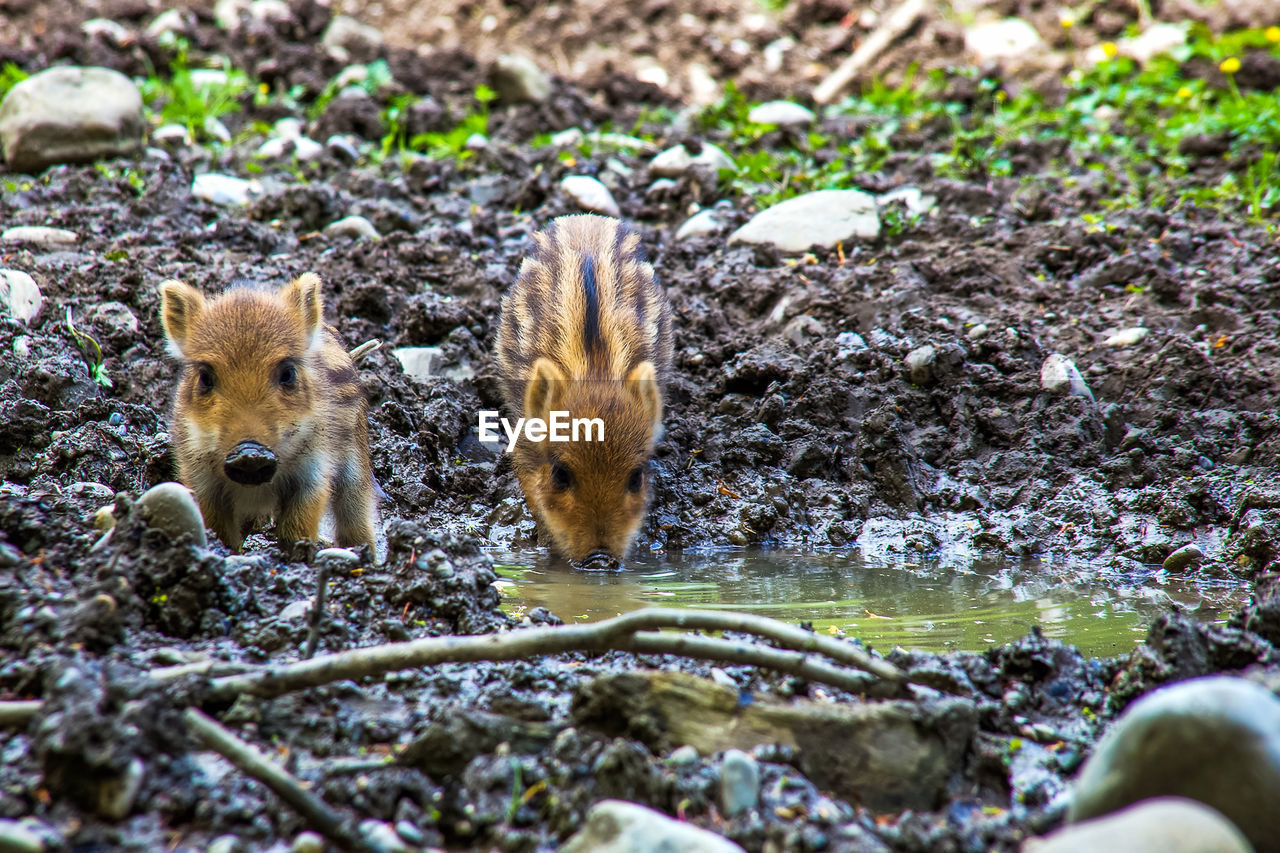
(317, 610)
(600, 636)
(895, 24)
(18, 713)
(253, 763)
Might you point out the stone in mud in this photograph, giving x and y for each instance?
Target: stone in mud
(919, 363)
(1185, 557)
(40, 235)
(226, 190)
(351, 39)
(823, 218)
(1126, 337)
(1008, 39)
(701, 223)
(519, 80)
(589, 194)
(1158, 825)
(17, 837)
(70, 114)
(355, 227)
(1214, 739)
(171, 508)
(20, 295)
(615, 826)
(419, 362)
(1059, 375)
(739, 782)
(781, 113)
(677, 160)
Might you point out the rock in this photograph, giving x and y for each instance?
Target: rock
(848, 344)
(1159, 825)
(70, 114)
(343, 148)
(419, 362)
(302, 147)
(1185, 557)
(977, 332)
(781, 113)
(16, 837)
(1126, 337)
(225, 190)
(175, 135)
(352, 226)
(615, 826)
(341, 556)
(296, 610)
(683, 756)
(217, 130)
(1059, 375)
(739, 782)
(590, 194)
(913, 197)
(117, 796)
(409, 833)
(20, 295)
(821, 218)
(1156, 40)
(383, 837)
(519, 80)
(701, 223)
(116, 33)
(114, 319)
(802, 327)
(1214, 739)
(227, 844)
(1011, 38)
(171, 508)
(677, 160)
(169, 21)
(40, 235)
(920, 364)
(476, 142)
(352, 38)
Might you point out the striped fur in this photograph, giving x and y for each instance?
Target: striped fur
(586, 328)
(237, 351)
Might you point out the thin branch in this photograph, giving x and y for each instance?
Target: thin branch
(894, 24)
(252, 763)
(317, 610)
(18, 713)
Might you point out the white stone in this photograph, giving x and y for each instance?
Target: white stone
(781, 113)
(775, 53)
(226, 13)
(222, 189)
(655, 75)
(915, 200)
(519, 80)
(171, 508)
(1059, 375)
(590, 194)
(356, 227)
(117, 33)
(476, 142)
(270, 11)
(40, 235)
(1010, 38)
(302, 147)
(215, 128)
(352, 36)
(172, 134)
(20, 295)
(977, 332)
(69, 114)
(820, 218)
(677, 160)
(296, 610)
(288, 127)
(168, 21)
(568, 138)
(702, 222)
(208, 78)
(1126, 337)
(919, 364)
(1156, 40)
(616, 826)
(419, 362)
(1157, 825)
(739, 782)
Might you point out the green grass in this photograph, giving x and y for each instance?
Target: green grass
(448, 144)
(10, 76)
(183, 99)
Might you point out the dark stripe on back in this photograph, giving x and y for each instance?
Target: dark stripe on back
(591, 313)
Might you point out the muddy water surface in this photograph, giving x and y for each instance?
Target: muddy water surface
(922, 605)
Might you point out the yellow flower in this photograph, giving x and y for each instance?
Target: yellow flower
(1109, 49)
(1067, 20)
(1184, 92)
(1273, 34)
(1230, 65)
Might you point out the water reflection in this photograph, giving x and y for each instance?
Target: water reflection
(916, 605)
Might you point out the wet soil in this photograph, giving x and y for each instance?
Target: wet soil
(792, 420)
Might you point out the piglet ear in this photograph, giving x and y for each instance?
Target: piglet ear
(642, 383)
(180, 308)
(303, 296)
(544, 389)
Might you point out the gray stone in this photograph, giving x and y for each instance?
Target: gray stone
(356, 227)
(40, 235)
(1008, 39)
(225, 844)
(1159, 825)
(340, 556)
(226, 190)
(920, 364)
(701, 223)
(175, 21)
(519, 80)
(296, 610)
(409, 831)
(683, 755)
(419, 362)
(16, 837)
(302, 147)
(383, 836)
(977, 332)
(677, 160)
(113, 318)
(349, 39)
(1213, 739)
(217, 130)
(70, 114)
(589, 194)
(821, 218)
(739, 782)
(175, 135)
(112, 31)
(343, 148)
(20, 295)
(781, 113)
(1185, 557)
(117, 796)
(913, 198)
(307, 842)
(1126, 337)
(615, 826)
(1059, 375)
(171, 508)
(476, 142)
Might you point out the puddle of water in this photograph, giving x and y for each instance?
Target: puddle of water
(915, 605)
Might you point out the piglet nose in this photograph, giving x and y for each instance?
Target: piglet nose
(599, 561)
(250, 464)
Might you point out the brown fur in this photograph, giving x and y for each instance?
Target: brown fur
(235, 350)
(560, 349)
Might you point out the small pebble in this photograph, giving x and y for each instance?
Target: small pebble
(20, 296)
(221, 189)
(227, 844)
(16, 837)
(590, 194)
(1059, 375)
(781, 113)
(356, 227)
(40, 235)
(702, 222)
(978, 332)
(920, 364)
(1126, 337)
(677, 160)
(408, 831)
(739, 782)
(1183, 558)
(308, 842)
(342, 148)
(683, 755)
(171, 508)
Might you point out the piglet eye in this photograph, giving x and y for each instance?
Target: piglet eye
(561, 477)
(635, 481)
(205, 379)
(287, 375)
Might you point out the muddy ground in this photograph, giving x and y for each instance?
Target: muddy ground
(792, 421)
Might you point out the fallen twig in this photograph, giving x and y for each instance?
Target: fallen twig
(317, 610)
(315, 811)
(892, 27)
(18, 713)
